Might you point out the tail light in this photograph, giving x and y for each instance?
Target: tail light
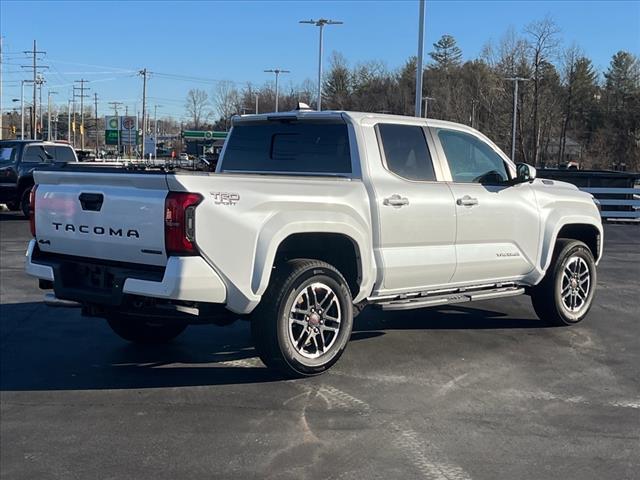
(32, 210)
(180, 222)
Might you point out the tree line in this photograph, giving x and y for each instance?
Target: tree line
(567, 110)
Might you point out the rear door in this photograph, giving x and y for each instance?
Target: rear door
(108, 216)
(415, 245)
(497, 223)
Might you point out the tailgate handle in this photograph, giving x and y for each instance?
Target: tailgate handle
(91, 201)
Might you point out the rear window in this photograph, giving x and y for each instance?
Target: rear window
(288, 147)
(64, 154)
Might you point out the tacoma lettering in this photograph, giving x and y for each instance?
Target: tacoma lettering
(96, 230)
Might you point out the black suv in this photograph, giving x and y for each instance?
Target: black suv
(18, 160)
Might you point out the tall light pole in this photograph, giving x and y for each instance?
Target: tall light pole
(419, 62)
(320, 23)
(49, 113)
(515, 81)
(257, 97)
(277, 71)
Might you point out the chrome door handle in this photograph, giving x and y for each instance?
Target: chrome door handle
(396, 201)
(467, 201)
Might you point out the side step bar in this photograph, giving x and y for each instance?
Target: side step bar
(450, 298)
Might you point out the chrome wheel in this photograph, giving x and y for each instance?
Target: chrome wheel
(575, 284)
(314, 320)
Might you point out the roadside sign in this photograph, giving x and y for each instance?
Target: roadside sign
(111, 137)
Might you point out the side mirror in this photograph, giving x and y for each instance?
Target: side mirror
(525, 173)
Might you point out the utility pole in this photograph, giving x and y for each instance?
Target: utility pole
(82, 96)
(515, 81)
(115, 106)
(95, 114)
(419, 62)
(34, 66)
(277, 71)
(49, 113)
(143, 72)
(321, 24)
(39, 115)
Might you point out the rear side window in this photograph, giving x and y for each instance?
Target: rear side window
(288, 147)
(406, 152)
(35, 154)
(64, 154)
(7, 154)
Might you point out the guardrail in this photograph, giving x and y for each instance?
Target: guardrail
(617, 203)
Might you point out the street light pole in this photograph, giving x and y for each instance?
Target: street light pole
(22, 108)
(155, 118)
(515, 81)
(277, 72)
(419, 72)
(321, 24)
(49, 93)
(426, 104)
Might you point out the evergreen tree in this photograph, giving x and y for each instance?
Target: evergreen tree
(446, 53)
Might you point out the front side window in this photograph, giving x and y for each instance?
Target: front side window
(35, 154)
(289, 147)
(471, 160)
(406, 152)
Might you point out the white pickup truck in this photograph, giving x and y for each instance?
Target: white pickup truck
(310, 217)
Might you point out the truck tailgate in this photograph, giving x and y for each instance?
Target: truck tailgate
(108, 216)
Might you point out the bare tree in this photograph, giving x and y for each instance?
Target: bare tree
(197, 106)
(227, 101)
(542, 47)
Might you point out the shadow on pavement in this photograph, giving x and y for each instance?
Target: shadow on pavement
(60, 350)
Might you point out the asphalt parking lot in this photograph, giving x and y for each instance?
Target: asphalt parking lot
(455, 393)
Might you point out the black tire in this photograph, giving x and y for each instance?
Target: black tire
(145, 330)
(270, 329)
(25, 205)
(547, 298)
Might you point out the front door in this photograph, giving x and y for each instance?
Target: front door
(497, 223)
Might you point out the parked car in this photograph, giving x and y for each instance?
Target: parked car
(310, 217)
(19, 159)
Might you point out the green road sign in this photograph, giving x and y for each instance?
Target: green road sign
(203, 135)
(111, 137)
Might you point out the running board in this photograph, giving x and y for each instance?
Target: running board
(450, 298)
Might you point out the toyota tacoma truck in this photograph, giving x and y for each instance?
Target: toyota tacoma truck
(310, 217)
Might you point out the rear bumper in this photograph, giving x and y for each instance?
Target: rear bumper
(184, 278)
